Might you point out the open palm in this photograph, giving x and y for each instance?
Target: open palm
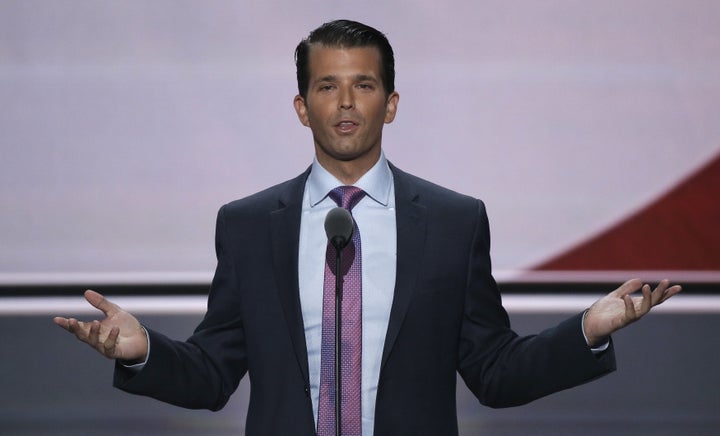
(118, 336)
(619, 308)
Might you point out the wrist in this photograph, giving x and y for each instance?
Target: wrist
(592, 340)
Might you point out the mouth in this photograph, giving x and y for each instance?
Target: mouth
(346, 126)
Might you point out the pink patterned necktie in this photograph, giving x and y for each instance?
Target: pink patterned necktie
(351, 343)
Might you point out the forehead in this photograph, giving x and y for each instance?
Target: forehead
(337, 61)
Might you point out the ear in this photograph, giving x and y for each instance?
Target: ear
(301, 110)
(391, 107)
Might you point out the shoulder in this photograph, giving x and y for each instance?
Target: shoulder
(431, 194)
(287, 193)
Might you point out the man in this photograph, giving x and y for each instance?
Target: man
(429, 304)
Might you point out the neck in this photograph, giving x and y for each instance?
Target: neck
(348, 172)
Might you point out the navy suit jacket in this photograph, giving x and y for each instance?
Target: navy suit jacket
(446, 317)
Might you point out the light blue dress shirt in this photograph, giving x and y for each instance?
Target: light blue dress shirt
(375, 217)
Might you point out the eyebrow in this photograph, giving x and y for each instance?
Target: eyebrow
(359, 78)
(365, 77)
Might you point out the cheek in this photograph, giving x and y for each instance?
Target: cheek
(312, 121)
(318, 129)
(316, 118)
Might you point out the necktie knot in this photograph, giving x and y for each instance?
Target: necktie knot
(347, 196)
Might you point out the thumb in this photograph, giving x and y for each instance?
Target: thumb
(97, 300)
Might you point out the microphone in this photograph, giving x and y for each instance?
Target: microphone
(339, 227)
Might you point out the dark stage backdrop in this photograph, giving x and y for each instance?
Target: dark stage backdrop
(666, 385)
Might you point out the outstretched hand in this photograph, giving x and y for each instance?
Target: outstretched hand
(118, 336)
(618, 309)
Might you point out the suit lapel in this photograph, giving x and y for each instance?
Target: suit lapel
(411, 223)
(285, 227)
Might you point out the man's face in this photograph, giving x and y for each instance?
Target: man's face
(346, 105)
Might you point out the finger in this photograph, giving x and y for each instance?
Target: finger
(629, 308)
(111, 342)
(62, 322)
(98, 301)
(645, 301)
(94, 334)
(79, 329)
(74, 327)
(670, 292)
(628, 288)
(659, 292)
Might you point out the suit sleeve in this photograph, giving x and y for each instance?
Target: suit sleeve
(202, 372)
(503, 369)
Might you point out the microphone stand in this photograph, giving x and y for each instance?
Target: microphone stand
(339, 226)
(338, 244)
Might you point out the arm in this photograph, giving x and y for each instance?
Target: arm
(203, 371)
(500, 367)
(184, 374)
(199, 373)
(503, 369)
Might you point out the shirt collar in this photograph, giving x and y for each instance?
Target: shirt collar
(376, 183)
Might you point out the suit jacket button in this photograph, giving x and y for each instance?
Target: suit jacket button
(307, 391)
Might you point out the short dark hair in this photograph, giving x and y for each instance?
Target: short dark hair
(345, 34)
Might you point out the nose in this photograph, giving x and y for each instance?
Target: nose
(346, 99)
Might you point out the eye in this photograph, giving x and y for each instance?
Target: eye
(326, 87)
(365, 86)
